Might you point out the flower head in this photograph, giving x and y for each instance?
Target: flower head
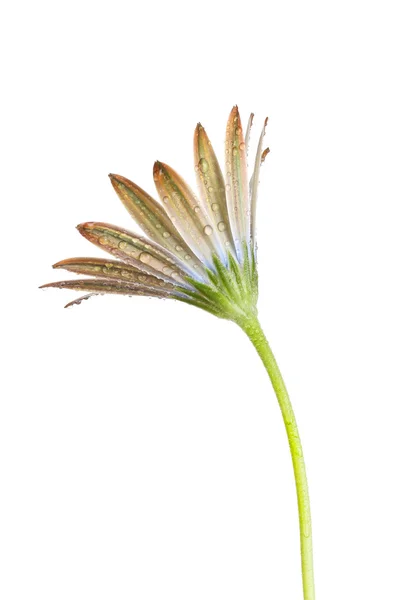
(197, 249)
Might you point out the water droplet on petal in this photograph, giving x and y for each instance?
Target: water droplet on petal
(166, 234)
(103, 240)
(203, 164)
(221, 226)
(208, 230)
(196, 209)
(178, 248)
(165, 199)
(215, 207)
(235, 151)
(144, 257)
(242, 146)
(187, 257)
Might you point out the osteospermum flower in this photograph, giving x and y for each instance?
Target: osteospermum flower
(199, 249)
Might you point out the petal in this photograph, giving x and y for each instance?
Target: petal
(111, 269)
(212, 191)
(79, 300)
(254, 183)
(105, 286)
(153, 220)
(237, 183)
(248, 132)
(134, 250)
(185, 211)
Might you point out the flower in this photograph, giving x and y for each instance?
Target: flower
(199, 249)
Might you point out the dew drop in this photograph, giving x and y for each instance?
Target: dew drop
(208, 230)
(221, 226)
(210, 189)
(166, 234)
(103, 240)
(158, 225)
(215, 207)
(144, 257)
(196, 209)
(165, 199)
(142, 278)
(203, 164)
(235, 151)
(242, 146)
(178, 248)
(187, 257)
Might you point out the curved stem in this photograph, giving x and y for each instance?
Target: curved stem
(254, 331)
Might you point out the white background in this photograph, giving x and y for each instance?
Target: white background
(142, 451)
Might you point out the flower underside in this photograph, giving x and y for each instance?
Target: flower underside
(196, 249)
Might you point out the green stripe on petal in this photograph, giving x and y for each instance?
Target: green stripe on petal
(133, 249)
(154, 221)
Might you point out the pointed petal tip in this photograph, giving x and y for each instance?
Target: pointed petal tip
(86, 225)
(157, 166)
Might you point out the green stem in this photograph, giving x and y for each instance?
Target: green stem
(254, 331)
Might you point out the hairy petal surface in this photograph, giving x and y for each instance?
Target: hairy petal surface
(185, 211)
(237, 182)
(154, 221)
(211, 185)
(134, 250)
